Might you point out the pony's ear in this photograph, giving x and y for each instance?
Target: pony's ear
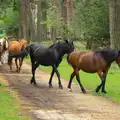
(66, 41)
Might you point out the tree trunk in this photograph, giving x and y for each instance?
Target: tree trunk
(89, 44)
(23, 19)
(114, 19)
(39, 32)
(70, 11)
(64, 17)
(44, 18)
(53, 29)
(31, 8)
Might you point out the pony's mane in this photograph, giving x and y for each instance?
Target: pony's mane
(108, 54)
(54, 45)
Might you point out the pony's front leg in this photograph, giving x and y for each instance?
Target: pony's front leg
(34, 66)
(78, 79)
(50, 81)
(104, 81)
(58, 75)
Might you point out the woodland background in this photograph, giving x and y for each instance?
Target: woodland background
(94, 23)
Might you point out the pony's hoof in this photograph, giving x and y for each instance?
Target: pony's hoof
(104, 91)
(50, 86)
(60, 87)
(70, 90)
(31, 81)
(97, 90)
(83, 90)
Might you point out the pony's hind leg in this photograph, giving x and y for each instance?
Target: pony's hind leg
(70, 82)
(34, 66)
(58, 75)
(103, 80)
(16, 64)
(20, 64)
(78, 79)
(50, 81)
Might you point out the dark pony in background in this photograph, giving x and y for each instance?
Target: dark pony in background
(17, 50)
(49, 56)
(92, 62)
(3, 50)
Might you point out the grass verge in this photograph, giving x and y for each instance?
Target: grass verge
(9, 107)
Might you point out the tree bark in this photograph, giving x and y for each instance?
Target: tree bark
(39, 32)
(23, 19)
(53, 29)
(114, 20)
(44, 18)
(64, 17)
(31, 8)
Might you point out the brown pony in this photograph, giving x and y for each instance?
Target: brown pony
(16, 50)
(92, 62)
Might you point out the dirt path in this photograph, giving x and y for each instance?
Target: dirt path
(42, 103)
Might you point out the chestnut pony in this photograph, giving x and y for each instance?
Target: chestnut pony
(17, 50)
(93, 62)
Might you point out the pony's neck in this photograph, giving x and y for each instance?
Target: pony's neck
(61, 51)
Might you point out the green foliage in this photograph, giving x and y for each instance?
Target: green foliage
(11, 21)
(91, 19)
(9, 16)
(55, 20)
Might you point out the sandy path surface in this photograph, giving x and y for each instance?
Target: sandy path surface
(44, 103)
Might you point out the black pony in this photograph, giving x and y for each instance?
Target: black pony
(49, 56)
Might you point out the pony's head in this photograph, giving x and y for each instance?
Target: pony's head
(66, 46)
(23, 43)
(4, 43)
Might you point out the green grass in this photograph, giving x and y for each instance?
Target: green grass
(9, 108)
(2, 35)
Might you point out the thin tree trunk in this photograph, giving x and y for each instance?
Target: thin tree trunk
(38, 34)
(31, 20)
(114, 19)
(23, 18)
(64, 17)
(53, 29)
(44, 18)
